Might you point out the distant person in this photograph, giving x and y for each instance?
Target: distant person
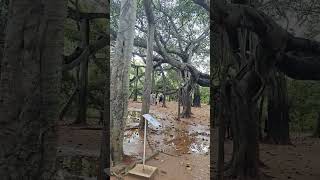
(160, 98)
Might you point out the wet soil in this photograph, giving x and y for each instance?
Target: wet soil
(186, 142)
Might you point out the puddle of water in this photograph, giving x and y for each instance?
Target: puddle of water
(133, 143)
(174, 137)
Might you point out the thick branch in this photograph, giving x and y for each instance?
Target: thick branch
(273, 39)
(142, 43)
(91, 49)
(76, 53)
(78, 16)
(201, 79)
(202, 3)
(301, 68)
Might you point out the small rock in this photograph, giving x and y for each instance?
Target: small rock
(189, 168)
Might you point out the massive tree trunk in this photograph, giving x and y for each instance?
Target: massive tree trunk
(148, 70)
(317, 130)
(186, 101)
(119, 85)
(260, 116)
(197, 97)
(83, 75)
(243, 113)
(104, 164)
(281, 50)
(186, 98)
(29, 90)
(1, 48)
(104, 158)
(153, 81)
(238, 101)
(3, 21)
(278, 110)
(296, 57)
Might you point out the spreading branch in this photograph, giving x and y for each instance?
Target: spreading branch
(73, 14)
(91, 49)
(273, 38)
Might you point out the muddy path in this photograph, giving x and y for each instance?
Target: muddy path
(182, 144)
(185, 147)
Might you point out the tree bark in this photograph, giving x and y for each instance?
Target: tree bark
(196, 97)
(243, 110)
(3, 21)
(2, 36)
(83, 76)
(29, 90)
(119, 85)
(136, 84)
(239, 104)
(278, 111)
(317, 130)
(186, 98)
(245, 88)
(179, 101)
(105, 161)
(148, 70)
(290, 54)
(186, 102)
(260, 117)
(153, 80)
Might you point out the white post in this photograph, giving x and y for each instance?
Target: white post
(144, 141)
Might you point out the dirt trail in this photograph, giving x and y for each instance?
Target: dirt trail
(300, 161)
(186, 142)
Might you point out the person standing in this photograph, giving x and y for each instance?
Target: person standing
(160, 98)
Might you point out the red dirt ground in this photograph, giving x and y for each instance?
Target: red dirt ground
(298, 162)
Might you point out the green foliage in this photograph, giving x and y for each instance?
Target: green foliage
(304, 102)
(205, 95)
